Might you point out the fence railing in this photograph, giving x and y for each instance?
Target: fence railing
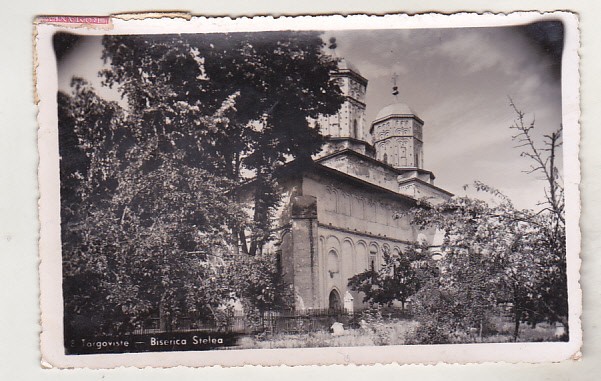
(270, 322)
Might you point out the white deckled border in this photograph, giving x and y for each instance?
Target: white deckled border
(51, 301)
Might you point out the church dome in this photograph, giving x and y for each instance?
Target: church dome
(395, 109)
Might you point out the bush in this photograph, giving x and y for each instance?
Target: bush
(430, 332)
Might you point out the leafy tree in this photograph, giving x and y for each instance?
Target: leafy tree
(397, 280)
(146, 224)
(258, 283)
(474, 241)
(149, 191)
(84, 121)
(277, 79)
(553, 303)
(528, 268)
(494, 255)
(497, 254)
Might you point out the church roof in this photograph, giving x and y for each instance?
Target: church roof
(426, 184)
(332, 172)
(395, 109)
(345, 64)
(373, 161)
(346, 68)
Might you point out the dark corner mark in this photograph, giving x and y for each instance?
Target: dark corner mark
(549, 37)
(63, 43)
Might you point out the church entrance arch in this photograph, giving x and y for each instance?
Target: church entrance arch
(335, 303)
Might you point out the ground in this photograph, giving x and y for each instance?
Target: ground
(391, 332)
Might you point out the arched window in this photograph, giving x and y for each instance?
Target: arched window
(373, 256)
(344, 203)
(385, 158)
(356, 129)
(396, 254)
(330, 200)
(333, 263)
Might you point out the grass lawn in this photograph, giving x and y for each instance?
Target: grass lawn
(394, 332)
(391, 332)
(527, 334)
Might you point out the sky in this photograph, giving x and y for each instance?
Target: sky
(457, 81)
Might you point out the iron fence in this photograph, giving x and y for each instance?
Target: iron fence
(273, 322)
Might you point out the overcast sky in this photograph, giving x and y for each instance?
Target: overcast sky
(458, 81)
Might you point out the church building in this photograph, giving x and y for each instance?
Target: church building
(339, 216)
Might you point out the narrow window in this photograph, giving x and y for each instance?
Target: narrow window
(373, 254)
(333, 268)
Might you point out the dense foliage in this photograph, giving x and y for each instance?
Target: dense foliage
(398, 278)
(151, 215)
(276, 81)
(496, 257)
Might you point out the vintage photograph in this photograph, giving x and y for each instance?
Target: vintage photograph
(312, 188)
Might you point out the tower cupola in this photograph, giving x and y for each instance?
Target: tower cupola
(397, 136)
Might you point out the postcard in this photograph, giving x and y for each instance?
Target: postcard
(308, 190)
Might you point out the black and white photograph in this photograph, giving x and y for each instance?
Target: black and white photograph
(243, 190)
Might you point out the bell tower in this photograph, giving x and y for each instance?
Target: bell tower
(347, 129)
(349, 121)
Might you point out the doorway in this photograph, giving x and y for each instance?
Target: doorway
(335, 303)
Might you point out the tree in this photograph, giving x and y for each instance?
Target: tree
(147, 224)
(83, 118)
(494, 255)
(475, 239)
(150, 199)
(259, 284)
(277, 80)
(553, 303)
(397, 279)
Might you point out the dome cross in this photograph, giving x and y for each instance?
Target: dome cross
(395, 87)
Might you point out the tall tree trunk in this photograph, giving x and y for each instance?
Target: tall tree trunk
(516, 327)
(517, 312)
(164, 319)
(242, 235)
